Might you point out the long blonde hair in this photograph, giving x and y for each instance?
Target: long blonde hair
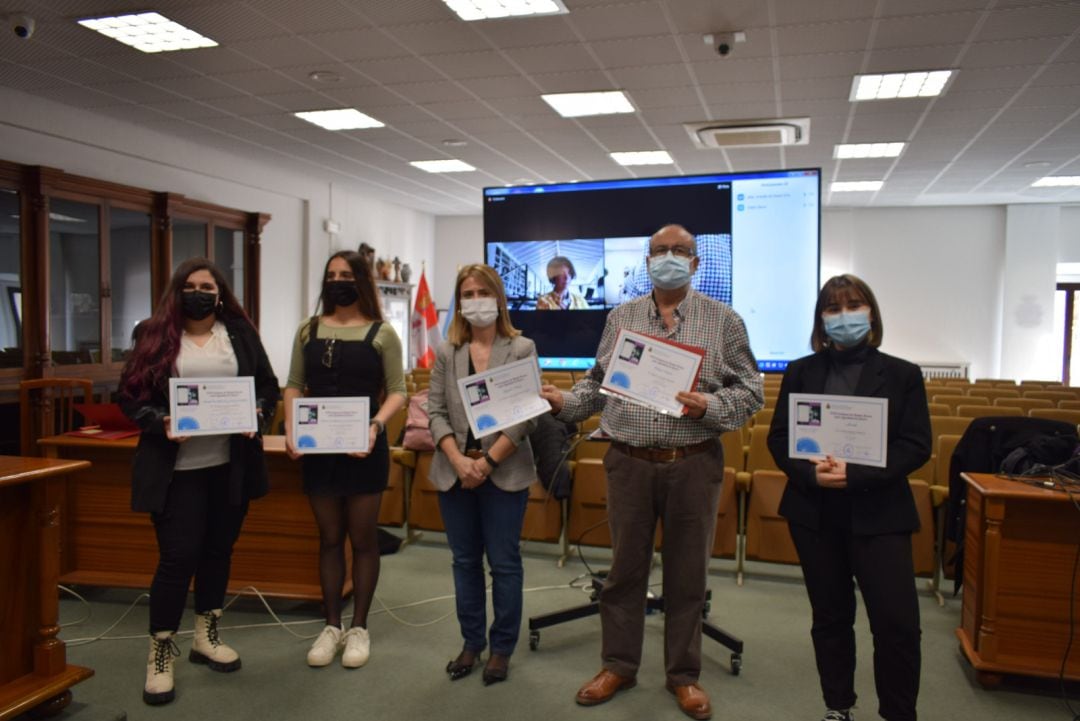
(460, 329)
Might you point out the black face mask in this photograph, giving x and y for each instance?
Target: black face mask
(197, 305)
(341, 292)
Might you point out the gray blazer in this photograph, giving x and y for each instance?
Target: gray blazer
(447, 414)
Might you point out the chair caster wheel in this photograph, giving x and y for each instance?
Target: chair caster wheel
(736, 664)
(534, 640)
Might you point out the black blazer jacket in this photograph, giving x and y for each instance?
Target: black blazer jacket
(155, 457)
(881, 499)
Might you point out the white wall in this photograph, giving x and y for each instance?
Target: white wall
(459, 240)
(35, 131)
(937, 273)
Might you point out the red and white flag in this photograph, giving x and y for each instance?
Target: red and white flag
(424, 330)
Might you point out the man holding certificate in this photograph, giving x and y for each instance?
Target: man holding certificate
(851, 423)
(674, 370)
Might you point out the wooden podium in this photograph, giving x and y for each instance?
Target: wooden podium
(34, 673)
(1020, 543)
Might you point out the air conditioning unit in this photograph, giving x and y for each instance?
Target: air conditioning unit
(723, 134)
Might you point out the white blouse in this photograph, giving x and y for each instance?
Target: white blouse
(216, 359)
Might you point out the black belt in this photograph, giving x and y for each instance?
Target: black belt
(665, 455)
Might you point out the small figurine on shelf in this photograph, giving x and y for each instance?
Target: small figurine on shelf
(382, 269)
(369, 255)
(406, 272)
(397, 269)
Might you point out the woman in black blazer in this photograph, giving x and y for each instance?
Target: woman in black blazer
(854, 522)
(196, 489)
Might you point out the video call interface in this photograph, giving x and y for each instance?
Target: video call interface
(570, 253)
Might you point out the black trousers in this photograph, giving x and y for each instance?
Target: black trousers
(832, 560)
(195, 533)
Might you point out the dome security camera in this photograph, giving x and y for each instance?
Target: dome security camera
(22, 25)
(724, 43)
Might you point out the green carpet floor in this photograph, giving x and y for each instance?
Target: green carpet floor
(411, 645)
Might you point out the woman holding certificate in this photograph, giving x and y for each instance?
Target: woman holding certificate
(483, 482)
(852, 522)
(347, 351)
(196, 489)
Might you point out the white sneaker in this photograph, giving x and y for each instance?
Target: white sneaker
(357, 647)
(325, 647)
(837, 715)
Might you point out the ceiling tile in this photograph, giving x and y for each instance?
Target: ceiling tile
(607, 22)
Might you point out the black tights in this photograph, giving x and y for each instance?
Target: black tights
(357, 516)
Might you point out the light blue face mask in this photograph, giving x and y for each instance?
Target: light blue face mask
(847, 328)
(669, 271)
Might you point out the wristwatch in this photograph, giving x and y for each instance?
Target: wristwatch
(380, 427)
(490, 461)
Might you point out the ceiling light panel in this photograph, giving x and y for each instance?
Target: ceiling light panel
(921, 84)
(494, 9)
(643, 157)
(1057, 181)
(856, 186)
(148, 32)
(577, 105)
(442, 166)
(849, 151)
(341, 119)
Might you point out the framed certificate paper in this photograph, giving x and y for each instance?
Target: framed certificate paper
(852, 428)
(212, 406)
(651, 371)
(503, 396)
(331, 425)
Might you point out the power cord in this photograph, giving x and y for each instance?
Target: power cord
(278, 622)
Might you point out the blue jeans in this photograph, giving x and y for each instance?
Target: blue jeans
(488, 520)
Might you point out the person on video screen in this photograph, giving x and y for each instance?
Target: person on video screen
(560, 271)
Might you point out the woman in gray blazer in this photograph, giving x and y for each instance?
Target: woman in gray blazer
(484, 483)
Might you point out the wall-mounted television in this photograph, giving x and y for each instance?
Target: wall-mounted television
(570, 252)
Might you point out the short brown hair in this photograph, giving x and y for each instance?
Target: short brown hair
(842, 287)
(460, 330)
(562, 260)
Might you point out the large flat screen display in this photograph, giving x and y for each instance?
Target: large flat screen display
(568, 253)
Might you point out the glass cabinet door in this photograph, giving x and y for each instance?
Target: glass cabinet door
(74, 282)
(188, 240)
(10, 283)
(129, 276)
(229, 257)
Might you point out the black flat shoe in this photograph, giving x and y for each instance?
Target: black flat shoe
(496, 669)
(461, 666)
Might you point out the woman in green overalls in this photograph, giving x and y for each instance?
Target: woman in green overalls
(347, 350)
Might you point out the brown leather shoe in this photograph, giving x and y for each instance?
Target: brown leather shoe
(693, 701)
(602, 687)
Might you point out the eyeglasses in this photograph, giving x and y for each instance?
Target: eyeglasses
(328, 354)
(679, 251)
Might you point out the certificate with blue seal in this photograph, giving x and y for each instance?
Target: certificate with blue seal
(502, 397)
(331, 425)
(852, 428)
(212, 406)
(650, 371)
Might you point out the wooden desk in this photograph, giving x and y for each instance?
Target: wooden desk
(105, 543)
(1020, 543)
(34, 673)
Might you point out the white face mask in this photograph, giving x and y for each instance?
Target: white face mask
(480, 312)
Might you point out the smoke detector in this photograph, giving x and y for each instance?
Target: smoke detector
(762, 133)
